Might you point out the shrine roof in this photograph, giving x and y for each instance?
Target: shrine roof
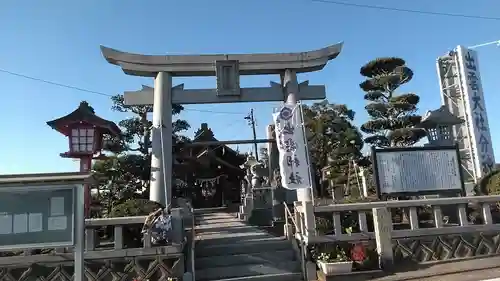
(203, 65)
(83, 114)
(206, 134)
(440, 116)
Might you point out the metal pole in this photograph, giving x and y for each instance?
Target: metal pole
(252, 121)
(161, 176)
(79, 233)
(308, 155)
(291, 89)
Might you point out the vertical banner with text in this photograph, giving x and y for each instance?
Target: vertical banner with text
(292, 146)
(476, 111)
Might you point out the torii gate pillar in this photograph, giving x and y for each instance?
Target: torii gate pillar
(291, 89)
(161, 140)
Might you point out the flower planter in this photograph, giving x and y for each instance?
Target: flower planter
(333, 268)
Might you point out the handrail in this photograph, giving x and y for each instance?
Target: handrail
(98, 222)
(193, 237)
(288, 214)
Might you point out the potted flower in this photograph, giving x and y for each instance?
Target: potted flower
(364, 258)
(335, 262)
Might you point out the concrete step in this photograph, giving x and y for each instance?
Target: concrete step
(217, 239)
(217, 273)
(216, 220)
(215, 214)
(217, 249)
(269, 277)
(210, 210)
(228, 228)
(247, 258)
(233, 226)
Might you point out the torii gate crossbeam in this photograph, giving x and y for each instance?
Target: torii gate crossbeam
(227, 69)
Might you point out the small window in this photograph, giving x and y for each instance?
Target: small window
(444, 131)
(82, 140)
(433, 134)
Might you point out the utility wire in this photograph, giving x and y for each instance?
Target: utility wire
(340, 3)
(96, 92)
(53, 83)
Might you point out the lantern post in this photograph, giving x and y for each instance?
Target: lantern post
(438, 124)
(85, 131)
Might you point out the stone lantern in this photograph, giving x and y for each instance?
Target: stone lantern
(439, 126)
(85, 132)
(254, 172)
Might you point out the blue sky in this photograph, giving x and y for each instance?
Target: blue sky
(59, 40)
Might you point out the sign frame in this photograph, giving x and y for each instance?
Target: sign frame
(76, 182)
(53, 187)
(449, 192)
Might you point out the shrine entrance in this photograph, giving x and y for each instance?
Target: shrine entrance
(211, 172)
(209, 193)
(227, 68)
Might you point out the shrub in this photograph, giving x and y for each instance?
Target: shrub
(489, 184)
(134, 207)
(132, 236)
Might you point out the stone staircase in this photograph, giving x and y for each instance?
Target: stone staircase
(228, 249)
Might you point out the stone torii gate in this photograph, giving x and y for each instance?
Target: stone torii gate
(227, 69)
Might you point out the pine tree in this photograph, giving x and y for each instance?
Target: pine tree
(392, 116)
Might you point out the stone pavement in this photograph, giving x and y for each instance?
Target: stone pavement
(479, 269)
(231, 250)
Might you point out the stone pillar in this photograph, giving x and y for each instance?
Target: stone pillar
(382, 223)
(277, 191)
(79, 235)
(272, 150)
(291, 89)
(161, 157)
(177, 226)
(309, 218)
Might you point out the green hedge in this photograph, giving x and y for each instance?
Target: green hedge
(132, 236)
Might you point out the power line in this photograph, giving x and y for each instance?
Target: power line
(217, 112)
(53, 83)
(406, 10)
(96, 92)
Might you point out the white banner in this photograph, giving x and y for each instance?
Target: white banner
(476, 110)
(292, 146)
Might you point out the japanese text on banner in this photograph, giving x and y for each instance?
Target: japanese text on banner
(478, 118)
(294, 168)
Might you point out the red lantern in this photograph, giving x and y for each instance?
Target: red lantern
(84, 140)
(85, 132)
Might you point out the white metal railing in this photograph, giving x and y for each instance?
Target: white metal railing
(193, 242)
(290, 229)
(363, 210)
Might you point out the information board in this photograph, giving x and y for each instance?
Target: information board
(37, 216)
(417, 170)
